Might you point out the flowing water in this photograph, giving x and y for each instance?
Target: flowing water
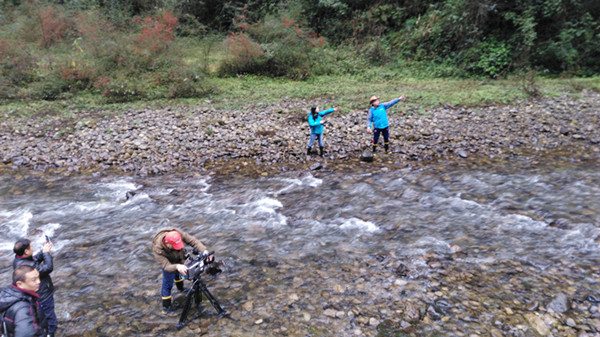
(321, 254)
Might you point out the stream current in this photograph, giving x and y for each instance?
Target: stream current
(320, 254)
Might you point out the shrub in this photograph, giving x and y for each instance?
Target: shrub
(78, 76)
(119, 90)
(48, 88)
(243, 55)
(17, 65)
(184, 83)
(277, 47)
(54, 26)
(339, 61)
(157, 32)
(490, 58)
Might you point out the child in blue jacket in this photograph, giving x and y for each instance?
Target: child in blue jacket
(377, 118)
(316, 127)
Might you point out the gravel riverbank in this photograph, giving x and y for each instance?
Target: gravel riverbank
(268, 138)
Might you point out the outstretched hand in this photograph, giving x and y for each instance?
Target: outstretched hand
(402, 98)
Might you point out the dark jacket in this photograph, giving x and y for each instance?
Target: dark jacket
(44, 265)
(23, 309)
(168, 258)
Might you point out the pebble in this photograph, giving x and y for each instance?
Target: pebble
(151, 142)
(330, 313)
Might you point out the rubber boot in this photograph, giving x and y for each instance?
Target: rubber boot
(180, 287)
(168, 307)
(321, 151)
(387, 148)
(374, 149)
(308, 151)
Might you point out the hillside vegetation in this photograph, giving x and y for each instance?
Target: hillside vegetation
(107, 51)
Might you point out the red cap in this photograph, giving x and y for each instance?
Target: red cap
(174, 238)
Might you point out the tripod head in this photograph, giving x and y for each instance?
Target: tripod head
(197, 263)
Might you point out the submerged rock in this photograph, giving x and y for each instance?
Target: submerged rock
(560, 304)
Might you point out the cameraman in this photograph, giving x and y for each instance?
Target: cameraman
(167, 247)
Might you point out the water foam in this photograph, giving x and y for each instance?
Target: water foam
(115, 190)
(268, 205)
(14, 225)
(358, 224)
(293, 183)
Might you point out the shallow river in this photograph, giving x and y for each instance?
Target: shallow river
(321, 254)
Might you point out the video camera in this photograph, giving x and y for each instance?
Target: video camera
(197, 264)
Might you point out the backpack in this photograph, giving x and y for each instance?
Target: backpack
(8, 326)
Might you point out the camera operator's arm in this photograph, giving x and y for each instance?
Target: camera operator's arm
(164, 262)
(192, 241)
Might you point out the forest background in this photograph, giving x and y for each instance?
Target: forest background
(108, 51)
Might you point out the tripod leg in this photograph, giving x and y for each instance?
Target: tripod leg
(198, 294)
(212, 300)
(189, 297)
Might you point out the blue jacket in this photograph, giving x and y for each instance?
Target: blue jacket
(378, 116)
(315, 123)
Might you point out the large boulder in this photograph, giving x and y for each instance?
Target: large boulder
(367, 155)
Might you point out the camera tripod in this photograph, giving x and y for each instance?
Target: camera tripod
(195, 293)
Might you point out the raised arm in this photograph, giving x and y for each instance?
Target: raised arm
(327, 112)
(44, 263)
(391, 103)
(192, 241)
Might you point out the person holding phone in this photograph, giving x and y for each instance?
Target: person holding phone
(43, 263)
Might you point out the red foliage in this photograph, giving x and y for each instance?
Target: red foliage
(102, 83)
(287, 22)
(312, 39)
(242, 47)
(72, 75)
(54, 26)
(158, 31)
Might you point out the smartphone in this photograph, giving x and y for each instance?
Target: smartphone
(47, 238)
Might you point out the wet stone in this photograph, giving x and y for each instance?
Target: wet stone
(559, 304)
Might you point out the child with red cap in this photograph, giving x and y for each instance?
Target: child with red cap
(167, 247)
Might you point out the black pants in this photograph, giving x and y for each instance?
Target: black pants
(386, 135)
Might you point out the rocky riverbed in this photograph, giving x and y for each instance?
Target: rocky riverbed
(460, 292)
(266, 138)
